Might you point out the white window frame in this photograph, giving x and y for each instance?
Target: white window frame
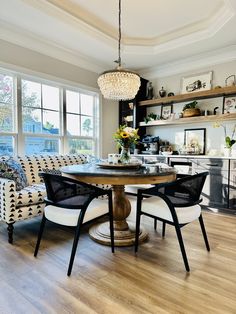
(19, 136)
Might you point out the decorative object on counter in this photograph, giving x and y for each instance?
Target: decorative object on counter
(216, 111)
(162, 92)
(125, 138)
(229, 140)
(230, 80)
(166, 150)
(217, 87)
(131, 105)
(229, 104)
(190, 110)
(150, 93)
(119, 83)
(194, 141)
(170, 94)
(206, 113)
(166, 111)
(196, 83)
(151, 144)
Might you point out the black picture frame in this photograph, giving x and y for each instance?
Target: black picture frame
(195, 141)
(229, 104)
(166, 111)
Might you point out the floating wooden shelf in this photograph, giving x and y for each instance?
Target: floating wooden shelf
(198, 119)
(218, 92)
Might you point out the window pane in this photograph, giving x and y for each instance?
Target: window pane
(6, 89)
(50, 97)
(87, 126)
(73, 124)
(87, 105)
(6, 145)
(72, 102)
(39, 145)
(81, 146)
(31, 120)
(51, 122)
(6, 118)
(31, 94)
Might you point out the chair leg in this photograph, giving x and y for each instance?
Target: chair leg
(155, 223)
(111, 224)
(182, 248)
(10, 228)
(204, 233)
(138, 215)
(42, 225)
(75, 242)
(163, 229)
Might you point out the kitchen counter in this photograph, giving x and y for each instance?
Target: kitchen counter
(186, 156)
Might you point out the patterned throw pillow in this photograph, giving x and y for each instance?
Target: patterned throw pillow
(12, 170)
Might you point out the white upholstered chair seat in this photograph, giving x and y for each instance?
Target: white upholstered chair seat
(69, 217)
(133, 188)
(156, 206)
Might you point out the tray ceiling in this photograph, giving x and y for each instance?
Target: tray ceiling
(155, 33)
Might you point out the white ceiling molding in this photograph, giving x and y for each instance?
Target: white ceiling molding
(54, 50)
(67, 17)
(67, 12)
(209, 29)
(193, 63)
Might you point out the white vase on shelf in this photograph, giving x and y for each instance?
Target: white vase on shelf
(227, 151)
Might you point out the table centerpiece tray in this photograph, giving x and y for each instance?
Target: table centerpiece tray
(107, 165)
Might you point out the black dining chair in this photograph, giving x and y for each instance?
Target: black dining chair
(66, 204)
(175, 203)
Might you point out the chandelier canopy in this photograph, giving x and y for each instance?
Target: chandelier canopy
(119, 84)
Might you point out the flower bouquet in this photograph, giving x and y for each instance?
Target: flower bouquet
(126, 137)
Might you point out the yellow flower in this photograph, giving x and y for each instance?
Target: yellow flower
(124, 134)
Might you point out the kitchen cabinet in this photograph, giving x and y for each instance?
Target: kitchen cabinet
(216, 190)
(128, 113)
(232, 184)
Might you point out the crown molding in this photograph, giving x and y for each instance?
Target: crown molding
(167, 42)
(196, 62)
(30, 41)
(67, 12)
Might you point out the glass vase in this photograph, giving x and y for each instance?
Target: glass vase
(125, 155)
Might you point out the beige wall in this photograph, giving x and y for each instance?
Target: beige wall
(31, 62)
(110, 114)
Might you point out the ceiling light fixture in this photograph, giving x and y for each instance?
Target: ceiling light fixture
(119, 84)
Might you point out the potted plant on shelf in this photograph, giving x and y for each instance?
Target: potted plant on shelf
(190, 110)
(151, 117)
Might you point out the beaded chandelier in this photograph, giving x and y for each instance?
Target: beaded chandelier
(119, 84)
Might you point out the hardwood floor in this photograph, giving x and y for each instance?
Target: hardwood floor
(154, 281)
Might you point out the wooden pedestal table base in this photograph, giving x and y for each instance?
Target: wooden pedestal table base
(123, 233)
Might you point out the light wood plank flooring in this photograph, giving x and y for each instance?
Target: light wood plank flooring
(155, 281)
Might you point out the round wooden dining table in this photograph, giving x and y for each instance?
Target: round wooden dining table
(118, 177)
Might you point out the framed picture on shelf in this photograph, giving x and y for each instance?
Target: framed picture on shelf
(196, 83)
(195, 141)
(229, 104)
(166, 111)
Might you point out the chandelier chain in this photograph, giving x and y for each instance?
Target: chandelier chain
(119, 57)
